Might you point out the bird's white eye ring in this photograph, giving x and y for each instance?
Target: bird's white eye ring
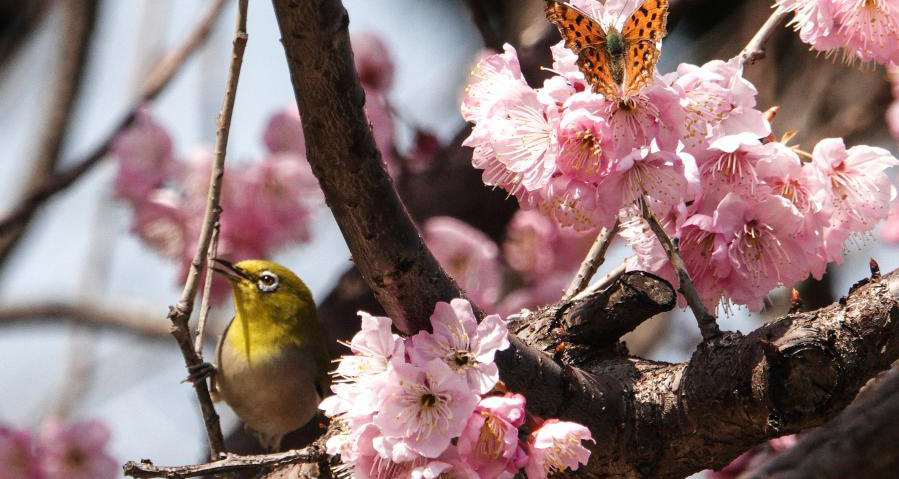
(267, 282)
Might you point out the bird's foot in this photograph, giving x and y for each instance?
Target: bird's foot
(199, 372)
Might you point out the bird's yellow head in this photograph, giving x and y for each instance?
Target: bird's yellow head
(272, 304)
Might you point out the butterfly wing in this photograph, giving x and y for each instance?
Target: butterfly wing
(642, 31)
(586, 38)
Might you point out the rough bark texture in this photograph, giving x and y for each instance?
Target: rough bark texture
(651, 420)
(860, 442)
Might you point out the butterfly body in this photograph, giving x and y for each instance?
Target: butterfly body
(616, 64)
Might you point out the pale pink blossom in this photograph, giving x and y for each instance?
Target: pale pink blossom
(529, 245)
(858, 186)
(865, 30)
(373, 62)
(162, 222)
(573, 204)
(468, 255)
(76, 451)
(717, 101)
(645, 172)
(144, 153)
(425, 407)
(555, 447)
(890, 230)
(444, 469)
(489, 443)
(763, 248)
(18, 459)
(584, 139)
(466, 346)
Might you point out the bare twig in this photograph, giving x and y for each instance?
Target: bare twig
(79, 18)
(89, 314)
(707, 325)
(21, 214)
(603, 282)
(595, 257)
(755, 49)
(180, 313)
(146, 469)
(207, 286)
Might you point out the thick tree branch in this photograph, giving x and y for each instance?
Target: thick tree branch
(14, 223)
(146, 469)
(79, 18)
(180, 313)
(860, 442)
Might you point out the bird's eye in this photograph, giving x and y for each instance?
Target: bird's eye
(268, 282)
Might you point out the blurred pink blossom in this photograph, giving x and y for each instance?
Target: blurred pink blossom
(284, 132)
(373, 62)
(18, 459)
(468, 255)
(145, 158)
(75, 451)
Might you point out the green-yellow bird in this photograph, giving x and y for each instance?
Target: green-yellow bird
(272, 360)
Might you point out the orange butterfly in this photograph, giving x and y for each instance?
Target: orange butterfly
(616, 64)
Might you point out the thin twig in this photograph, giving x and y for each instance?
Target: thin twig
(20, 215)
(707, 325)
(603, 282)
(595, 258)
(146, 469)
(79, 18)
(755, 49)
(207, 286)
(180, 313)
(86, 314)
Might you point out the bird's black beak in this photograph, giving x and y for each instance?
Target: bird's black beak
(228, 270)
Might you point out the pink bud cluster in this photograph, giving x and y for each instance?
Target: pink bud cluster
(865, 30)
(426, 406)
(59, 451)
(265, 204)
(750, 212)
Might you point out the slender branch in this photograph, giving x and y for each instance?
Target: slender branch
(79, 18)
(603, 282)
(707, 325)
(595, 258)
(755, 49)
(207, 284)
(18, 218)
(180, 313)
(145, 469)
(89, 314)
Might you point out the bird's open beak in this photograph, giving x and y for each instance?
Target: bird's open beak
(228, 270)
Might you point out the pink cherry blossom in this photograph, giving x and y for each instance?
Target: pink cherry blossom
(529, 243)
(489, 442)
(466, 346)
(160, 220)
(284, 132)
(426, 407)
(17, 455)
(444, 469)
(762, 246)
(373, 62)
(145, 157)
(858, 186)
(556, 446)
(468, 255)
(864, 30)
(890, 230)
(76, 451)
(717, 101)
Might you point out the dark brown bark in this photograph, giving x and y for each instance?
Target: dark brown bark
(860, 442)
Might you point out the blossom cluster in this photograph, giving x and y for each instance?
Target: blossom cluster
(427, 406)
(265, 204)
(59, 451)
(531, 266)
(750, 212)
(865, 30)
